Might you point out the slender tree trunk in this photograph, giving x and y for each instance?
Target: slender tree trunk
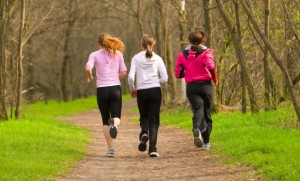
(168, 50)
(66, 83)
(240, 55)
(138, 17)
(239, 34)
(170, 67)
(20, 62)
(276, 58)
(266, 58)
(182, 36)
(207, 23)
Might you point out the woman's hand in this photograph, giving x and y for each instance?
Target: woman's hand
(133, 94)
(90, 78)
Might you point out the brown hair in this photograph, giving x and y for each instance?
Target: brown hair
(196, 38)
(110, 43)
(148, 43)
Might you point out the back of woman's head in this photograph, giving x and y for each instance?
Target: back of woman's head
(196, 38)
(148, 43)
(110, 43)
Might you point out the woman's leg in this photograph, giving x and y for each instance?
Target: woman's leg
(103, 105)
(115, 102)
(207, 96)
(193, 92)
(154, 116)
(142, 101)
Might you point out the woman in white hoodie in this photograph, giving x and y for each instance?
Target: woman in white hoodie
(150, 72)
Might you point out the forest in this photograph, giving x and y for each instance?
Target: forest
(45, 44)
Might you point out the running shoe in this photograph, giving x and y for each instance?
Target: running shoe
(206, 146)
(143, 146)
(113, 129)
(110, 152)
(198, 141)
(154, 154)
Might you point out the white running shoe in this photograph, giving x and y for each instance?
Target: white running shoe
(154, 154)
(206, 146)
(110, 152)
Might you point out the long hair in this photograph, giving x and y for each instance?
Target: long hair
(148, 43)
(111, 44)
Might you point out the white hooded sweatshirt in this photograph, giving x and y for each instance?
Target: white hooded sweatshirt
(149, 73)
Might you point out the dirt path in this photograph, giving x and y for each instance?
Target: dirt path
(179, 158)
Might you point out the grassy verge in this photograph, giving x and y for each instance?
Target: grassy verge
(54, 108)
(40, 147)
(265, 141)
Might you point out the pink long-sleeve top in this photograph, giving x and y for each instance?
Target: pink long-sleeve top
(195, 66)
(107, 67)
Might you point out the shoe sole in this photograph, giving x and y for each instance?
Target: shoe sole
(206, 149)
(197, 140)
(113, 130)
(109, 155)
(154, 155)
(143, 145)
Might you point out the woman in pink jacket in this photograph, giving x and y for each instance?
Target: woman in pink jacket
(197, 67)
(110, 68)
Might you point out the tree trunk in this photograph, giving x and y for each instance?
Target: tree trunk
(239, 34)
(66, 83)
(170, 67)
(20, 62)
(266, 58)
(182, 37)
(168, 51)
(275, 58)
(207, 22)
(240, 55)
(6, 8)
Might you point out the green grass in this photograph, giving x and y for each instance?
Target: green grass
(40, 147)
(267, 141)
(55, 108)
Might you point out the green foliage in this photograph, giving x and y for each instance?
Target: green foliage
(266, 141)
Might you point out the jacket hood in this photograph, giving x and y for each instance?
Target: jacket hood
(142, 61)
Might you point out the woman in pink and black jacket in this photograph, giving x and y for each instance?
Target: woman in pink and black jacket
(197, 67)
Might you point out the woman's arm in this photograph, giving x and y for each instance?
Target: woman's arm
(122, 74)
(88, 72)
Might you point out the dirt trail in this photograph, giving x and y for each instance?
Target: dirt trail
(179, 158)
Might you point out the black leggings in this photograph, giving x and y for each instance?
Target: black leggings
(149, 102)
(200, 98)
(109, 101)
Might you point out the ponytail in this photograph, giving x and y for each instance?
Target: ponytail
(196, 38)
(148, 43)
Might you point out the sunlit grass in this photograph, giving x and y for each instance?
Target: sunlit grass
(40, 147)
(55, 108)
(266, 141)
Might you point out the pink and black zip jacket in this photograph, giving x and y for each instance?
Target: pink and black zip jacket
(196, 66)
